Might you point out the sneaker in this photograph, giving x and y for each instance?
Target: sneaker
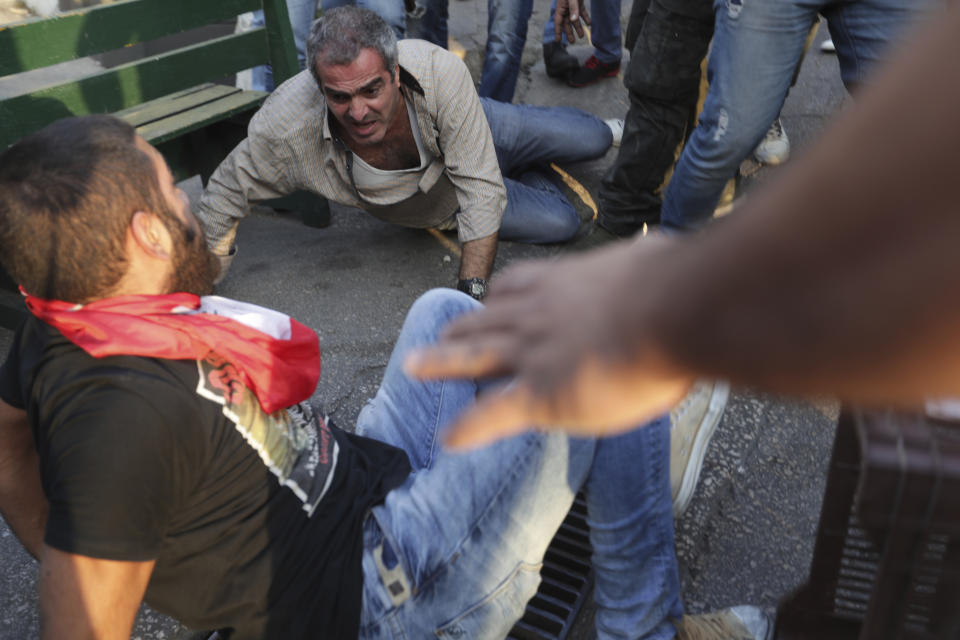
(774, 149)
(592, 237)
(827, 46)
(593, 71)
(692, 424)
(559, 63)
(745, 622)
(616, 128)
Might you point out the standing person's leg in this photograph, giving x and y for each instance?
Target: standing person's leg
(605, 31)
(432, 25)
(507, 22)
(605, 37)
(668, 40)
(864, 32)
(301, 13)
(756, 46)
(462, 540)
(392, 11)
(527, 139)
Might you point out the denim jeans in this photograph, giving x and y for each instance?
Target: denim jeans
(507, 33)
(756, 47)
(431, 26)
(527, 139)
(604, 29)
(461, 542)
(301, 17)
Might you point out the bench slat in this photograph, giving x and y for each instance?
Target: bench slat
(177, 124)
(131, 84)
(36, 43)
(175, 103)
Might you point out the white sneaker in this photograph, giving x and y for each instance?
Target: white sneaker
(745, 622)
(616, 128)
(827, 46)
(692, 424)
(774, 149)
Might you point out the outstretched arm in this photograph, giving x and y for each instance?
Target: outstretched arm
(840, 277)
(22, 503)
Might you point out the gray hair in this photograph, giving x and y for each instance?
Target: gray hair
(340, 34)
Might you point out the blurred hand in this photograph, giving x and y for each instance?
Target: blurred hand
(571, 333)
(567, 19)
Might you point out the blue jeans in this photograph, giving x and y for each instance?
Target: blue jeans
(301, 17)
(527, 139)
(507, 32)
(756, 47)
(604, 29)
(463, 539)
(431, 26)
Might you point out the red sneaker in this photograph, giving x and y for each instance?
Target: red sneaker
(593, 71)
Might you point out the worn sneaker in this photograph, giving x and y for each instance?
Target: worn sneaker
(745, 622)
(774, 149)
(559, 63)
(692, 424)
(593, 71)
(616, 128)
(827, 46)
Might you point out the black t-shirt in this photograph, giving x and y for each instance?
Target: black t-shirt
(254, 520)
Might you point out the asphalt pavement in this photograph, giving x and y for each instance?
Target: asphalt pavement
(748, 534)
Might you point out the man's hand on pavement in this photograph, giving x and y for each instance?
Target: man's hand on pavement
(567, 19)
(571, 334)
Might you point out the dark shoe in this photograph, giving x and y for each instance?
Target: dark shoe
(593, 71)
(559, 63)
(593, 236)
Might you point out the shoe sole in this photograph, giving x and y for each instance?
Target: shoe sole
(718, 403)
(771, 161)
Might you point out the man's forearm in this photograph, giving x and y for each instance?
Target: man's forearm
(841, 276)
(22, 503)
(477, 257)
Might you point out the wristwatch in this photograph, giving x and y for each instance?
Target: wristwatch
(476, 288)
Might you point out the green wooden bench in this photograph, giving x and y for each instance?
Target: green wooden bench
(170, 97)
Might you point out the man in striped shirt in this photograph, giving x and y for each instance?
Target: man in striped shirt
(399, 131)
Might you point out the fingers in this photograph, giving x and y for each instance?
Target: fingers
(578, 25)
(498, 415)
(455, 361)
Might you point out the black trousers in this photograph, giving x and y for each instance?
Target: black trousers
(668, 40)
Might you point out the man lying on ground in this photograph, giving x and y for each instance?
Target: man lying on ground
(157, 445)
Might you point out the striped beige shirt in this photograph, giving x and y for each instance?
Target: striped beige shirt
(290, 147)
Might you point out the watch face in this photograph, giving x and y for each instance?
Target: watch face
(477, 289)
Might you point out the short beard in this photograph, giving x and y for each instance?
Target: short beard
(194, 267)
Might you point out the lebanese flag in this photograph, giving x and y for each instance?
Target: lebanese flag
(278, 358)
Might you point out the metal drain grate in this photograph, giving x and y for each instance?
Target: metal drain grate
(567, 578)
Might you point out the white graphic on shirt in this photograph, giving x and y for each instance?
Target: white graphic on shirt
(294, 443)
